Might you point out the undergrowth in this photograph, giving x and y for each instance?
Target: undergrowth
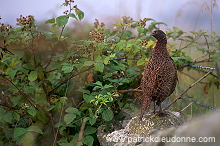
(57, 91)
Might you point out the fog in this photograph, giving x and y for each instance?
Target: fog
(186, 14)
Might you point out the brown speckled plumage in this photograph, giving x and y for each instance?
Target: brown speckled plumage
(160, 75)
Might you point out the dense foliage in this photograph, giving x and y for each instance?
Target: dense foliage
(51, 83)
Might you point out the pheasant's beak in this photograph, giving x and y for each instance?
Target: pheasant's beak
(153, 34)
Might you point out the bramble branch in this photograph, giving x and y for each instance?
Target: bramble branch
(67, 79)
(179, 97)
(23, 94)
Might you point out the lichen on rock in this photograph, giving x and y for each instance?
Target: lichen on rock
(137, 129)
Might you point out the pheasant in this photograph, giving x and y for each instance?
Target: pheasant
(160, 74)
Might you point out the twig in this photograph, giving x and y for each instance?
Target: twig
(52, 125)
(5, 105)
(23, 94)
(59, 123)
(80, 104)
(6, 50)
(55, 49)
(207, 43)
(179, 97)
(61, 33)
(67, 79)
(187, 106)
(53, 53)
(130, 90)
(210, 74)
(79, 141)
(50, 70)
(123, 58)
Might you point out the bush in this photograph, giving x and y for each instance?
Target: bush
(37, 69)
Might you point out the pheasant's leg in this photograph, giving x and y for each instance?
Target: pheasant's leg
(144, 105)
(154, 108)
(160, 111)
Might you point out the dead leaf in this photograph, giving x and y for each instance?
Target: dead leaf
(90, 78)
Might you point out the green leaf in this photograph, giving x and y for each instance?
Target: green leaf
(101, 46)
(89, 130)
(32, 112)
(12, 73)
(98, 83)
(203, 50)
(51, 107)
(67, 69)
(28, 139)
(79, 13)
(72, 15)
(188, 58)
(88, 63)
(35, 129)
(106, 60)
(16, 116)
(41, 116)
(127, 34)
(140, 61)
(72, 110)
(32, 76)
(92, 121)
(88, 98)
(68, 118)
(63, 100)
(53, 27)
(99, 67)
(140, 30)
(121, 44)
(40, 74)
(8, 117)
(50, 21)
(88, 140)
(62, 20)
(28, 66)
(18, 132)
(19, 54)
(107, 115)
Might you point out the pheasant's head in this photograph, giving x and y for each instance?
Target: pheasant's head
(159, 35)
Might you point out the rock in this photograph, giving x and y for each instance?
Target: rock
(166, 130)
(205, 128)
(137, 130)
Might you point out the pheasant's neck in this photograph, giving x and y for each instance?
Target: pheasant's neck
(161, 48)
(161, 43)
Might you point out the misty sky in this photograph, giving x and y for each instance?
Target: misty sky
(181, 13)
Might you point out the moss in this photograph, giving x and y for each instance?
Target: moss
(153, 122)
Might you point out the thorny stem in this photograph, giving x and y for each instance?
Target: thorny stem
(207, 43)
(61, 33)
(130, 90)
(68, 78)
(190, 43)
(52, 125)
(179, 97)
(32, 44)
(123, 58)
(23, 94)
(79, 141)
